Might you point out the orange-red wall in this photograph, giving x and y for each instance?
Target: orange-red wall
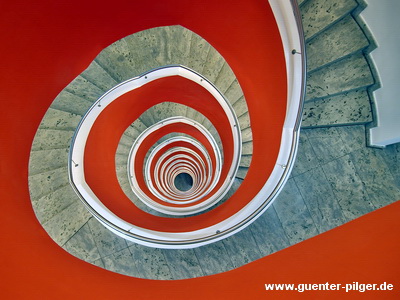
(44, 45)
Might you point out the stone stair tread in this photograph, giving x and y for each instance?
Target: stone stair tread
(245, 161)
(352, 107)
(99, 77)
(46, 182)
(168, 109)
(247, 148)
(47, 139)
(117, 60)
(213, 65)
(60, 120)
(67, 222)
(241, 173)
(343, 39)
(46, 160)
(240, 106)
(234, 92)
(83, 88)
(247, 135)
(199, 49)
(348, 74)
(225, 78)
(147, 118)
(179, 40)
(68, 102)
(53, 203)
(244, 121)
(317, 15)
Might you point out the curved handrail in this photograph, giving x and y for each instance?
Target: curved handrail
(288, 16)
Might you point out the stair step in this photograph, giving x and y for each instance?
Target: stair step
(247, 135)
(168, 109)
(59, 120)
(240, 106)
(247, 148)
(244, 121)
(318, 15)
(47, 139)
(225, 78)
(242, 172)
(234, 92)
(147, 118)
(213, 65)
(46, 160)
(300, 2)
(352, 107)
(81, 87)
(117, 61)
(53, 203)
(44, 183)
(68, 102)
(179, 40)
(348, 74)
(199, 49)
(66, 223)
(341, 40)
(245, 161)
(99, 77)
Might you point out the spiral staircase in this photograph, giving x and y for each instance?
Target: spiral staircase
(331, 183)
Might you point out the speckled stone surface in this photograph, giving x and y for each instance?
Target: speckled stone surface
(376, 177)
(213, 65)
(183, 263)
(319, 14)
(81, 87)
(120, 262)
(82, 245)
(68, 102)
(106, 241)
(48, 139)
(306, 158)
(117, 61)
(391, 156)
(47, 182)
(245, 161)
(150, 262)
(353, 137)
(99, 77)
(61, 120)
(268, 233)
(65, 224)
(213, 257)
(343, 39)
(244, 121)
(247, 135)
(320, 200)
(46, 160)
(234, 92)
(293, 214)
(350, 73)
(352, 107)
(348, 187)
(225, 78)
(199, 49)
(242, 248)
(326, 143)
(53, 203)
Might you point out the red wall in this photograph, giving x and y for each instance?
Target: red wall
(44, 45)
